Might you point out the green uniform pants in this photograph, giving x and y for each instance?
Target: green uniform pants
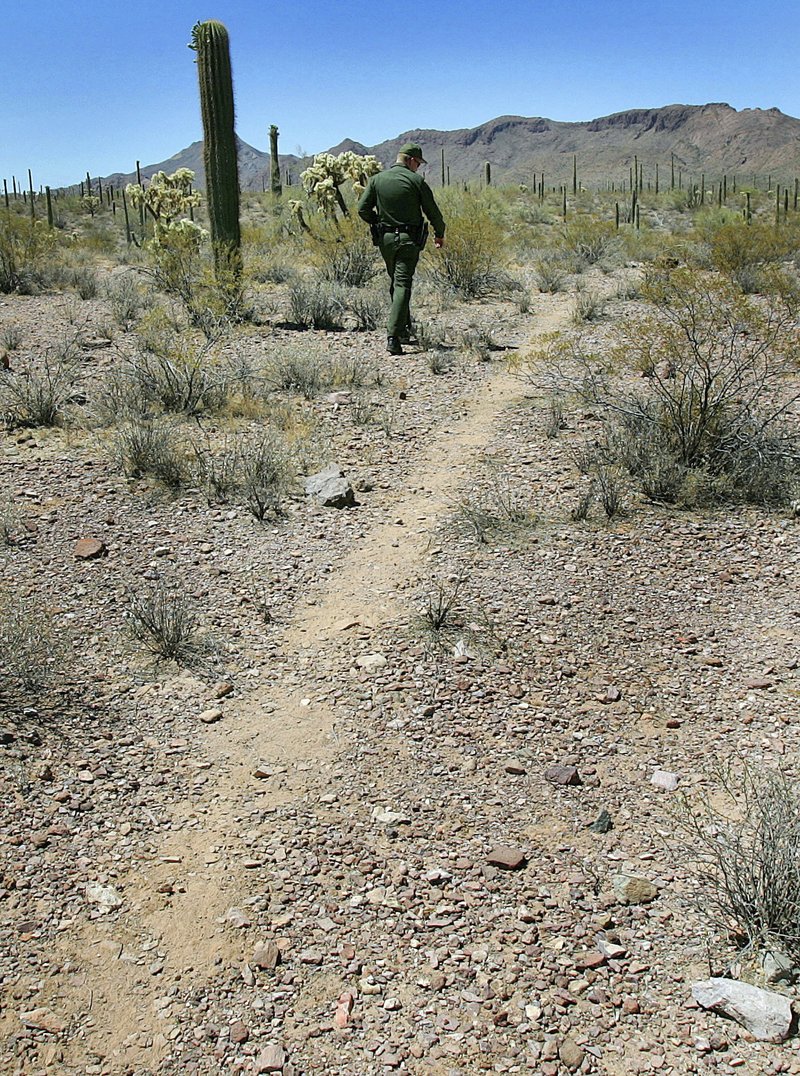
(401, 255)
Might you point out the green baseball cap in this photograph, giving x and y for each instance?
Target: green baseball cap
(413, 149)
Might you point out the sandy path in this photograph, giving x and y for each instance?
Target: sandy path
(281, 727)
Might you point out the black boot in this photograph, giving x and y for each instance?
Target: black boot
(393, 346)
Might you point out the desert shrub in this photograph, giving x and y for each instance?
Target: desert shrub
(175, 372)
(718, 373)
(745, 856)
(443, 605)
(368, 307)
(589, 240)
(271, 269)
(469, 264)
(300, 372)
(218, 470)
(588, 306)
(84, 281)
(744, 251)
(346, 256)
(430, 335)
(550, 272)
(477, 342)
(317, 305)
(151, 449)
(268, 474)
(31, 654)
(9, 522)
(11, 337)
(39, 395)
(125, 299)
(495, 509)
(162, 619)
(26, 251)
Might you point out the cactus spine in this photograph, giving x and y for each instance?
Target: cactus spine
(211, 43)
(275, 164)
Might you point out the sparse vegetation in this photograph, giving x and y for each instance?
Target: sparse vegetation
(742, 845)
(164, 622)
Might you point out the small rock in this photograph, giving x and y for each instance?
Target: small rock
(509, 859)
(237, 918)
(43, 1020)
(630, 889)
(221, 689)
(666, 780)
(601, 824)
(271, 1059)
(266, 955)
(371, 662)
(106, 896)
(330, 488)
(765, 1014)
(210, 717)
(562, 775)
(612, 694)
(88, 549)
(515, 767)
(586, 961)
(239, 1032)
(571, 1054)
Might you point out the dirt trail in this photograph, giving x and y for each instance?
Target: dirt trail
(282, 728)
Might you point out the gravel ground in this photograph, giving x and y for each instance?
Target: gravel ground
(347, 842)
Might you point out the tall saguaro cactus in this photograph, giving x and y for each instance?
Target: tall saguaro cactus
(211, 43)
(275, 165)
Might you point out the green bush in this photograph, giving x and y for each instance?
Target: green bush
(470, 263)
(151, 449)
(316, 305)
(26, 252)
(720, 376)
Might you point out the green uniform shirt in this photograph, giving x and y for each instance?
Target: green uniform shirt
(399, 196)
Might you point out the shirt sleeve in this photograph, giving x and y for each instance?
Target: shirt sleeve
(431, 210)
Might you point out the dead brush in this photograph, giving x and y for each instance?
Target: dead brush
(32, 655)
(741, 844)
(163, 621)
(40, 394)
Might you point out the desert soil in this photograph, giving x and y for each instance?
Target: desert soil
(342, 847)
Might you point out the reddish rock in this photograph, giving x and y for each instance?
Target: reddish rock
(562, 775)
(239, 1032)
(266, 955)
(593, 959)
(509, 859)
(88, 549)
(612, 694)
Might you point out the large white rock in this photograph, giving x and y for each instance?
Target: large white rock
(765, 1014)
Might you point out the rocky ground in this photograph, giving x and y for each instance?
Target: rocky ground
(354, 840)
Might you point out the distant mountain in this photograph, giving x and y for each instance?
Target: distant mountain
(714, 138)
(254, 167)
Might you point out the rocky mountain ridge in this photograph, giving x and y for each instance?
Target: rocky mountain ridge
(712, 138)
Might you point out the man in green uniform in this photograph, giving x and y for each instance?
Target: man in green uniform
(393, 205)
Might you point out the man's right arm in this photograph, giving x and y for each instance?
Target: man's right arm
(432, 211)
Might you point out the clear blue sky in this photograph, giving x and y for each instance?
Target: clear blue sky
(96, 86)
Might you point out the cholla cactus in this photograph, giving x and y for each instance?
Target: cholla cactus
(323, 178)
(90, 202)
(167, 196)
